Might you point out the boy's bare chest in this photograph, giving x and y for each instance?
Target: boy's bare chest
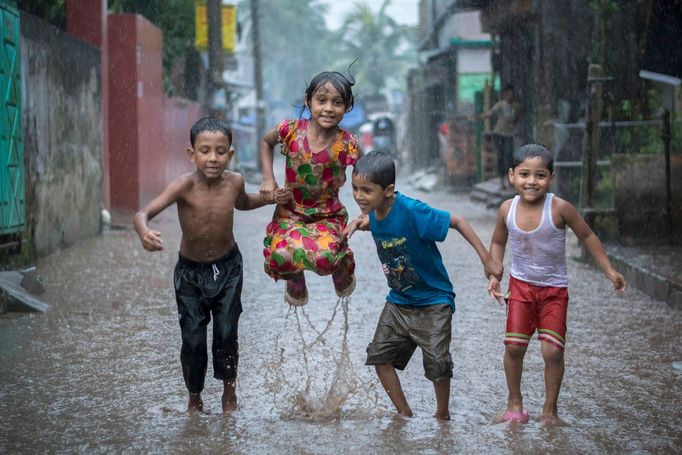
(206, 209)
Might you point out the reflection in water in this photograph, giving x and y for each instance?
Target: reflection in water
(100, 371)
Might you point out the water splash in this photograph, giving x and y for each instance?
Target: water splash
(326, 392)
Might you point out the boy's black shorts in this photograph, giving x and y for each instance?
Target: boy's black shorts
(401, 328)
(203, 289)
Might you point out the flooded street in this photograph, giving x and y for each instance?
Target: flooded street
(100, 371)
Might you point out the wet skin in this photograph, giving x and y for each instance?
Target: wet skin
(532, 180)
(206, 199)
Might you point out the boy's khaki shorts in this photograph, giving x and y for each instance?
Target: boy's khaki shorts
(401, 328)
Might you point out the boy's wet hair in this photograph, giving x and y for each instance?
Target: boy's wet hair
(531, 151)
(378, 167)
(210, 124)
(340, 82)
(508, 88)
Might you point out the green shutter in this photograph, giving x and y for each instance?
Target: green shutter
(11, 131)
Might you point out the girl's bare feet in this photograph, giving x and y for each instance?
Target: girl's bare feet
(194, 404)
(296, 292)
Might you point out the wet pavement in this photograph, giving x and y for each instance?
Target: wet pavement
(100, 371)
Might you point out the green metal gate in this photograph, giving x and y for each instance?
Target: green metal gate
(11, 131)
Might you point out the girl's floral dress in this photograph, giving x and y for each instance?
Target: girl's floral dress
(306, 233)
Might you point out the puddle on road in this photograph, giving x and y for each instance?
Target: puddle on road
(100, 371)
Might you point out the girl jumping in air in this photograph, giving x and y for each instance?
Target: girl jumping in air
(305, 233)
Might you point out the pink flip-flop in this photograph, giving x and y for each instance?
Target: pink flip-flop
(515, 416)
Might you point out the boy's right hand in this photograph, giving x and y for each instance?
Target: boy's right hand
(494, 290)
(267, 190)
(151, 240)
(360, 223)
(493, 267)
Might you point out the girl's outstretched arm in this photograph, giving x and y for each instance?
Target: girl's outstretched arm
(267, 153)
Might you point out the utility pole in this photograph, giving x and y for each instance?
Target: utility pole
(258, 75)
(215, 57)
(593, 111)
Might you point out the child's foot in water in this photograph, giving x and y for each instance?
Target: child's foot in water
(551, 420)
(194, 404)
(296, 293)
(344, 284)
(229, 399)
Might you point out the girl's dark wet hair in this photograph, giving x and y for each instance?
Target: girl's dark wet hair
(530, 151)
(339, 82)
(378, 167)
(211, 124)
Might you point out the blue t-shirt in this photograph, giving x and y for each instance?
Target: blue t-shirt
(406, 244)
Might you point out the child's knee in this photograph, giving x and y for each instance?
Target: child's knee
(552, 354)
(515, 351)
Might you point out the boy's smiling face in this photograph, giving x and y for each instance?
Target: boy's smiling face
(371, 196)
(211, 153)
(531, 179)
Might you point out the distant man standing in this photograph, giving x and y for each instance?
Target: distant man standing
(507, 113)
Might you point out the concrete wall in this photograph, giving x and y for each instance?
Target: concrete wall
(640, 197)
(62, 135)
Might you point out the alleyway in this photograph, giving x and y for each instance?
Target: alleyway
(100, 371)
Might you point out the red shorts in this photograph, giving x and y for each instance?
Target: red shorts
(541, 308)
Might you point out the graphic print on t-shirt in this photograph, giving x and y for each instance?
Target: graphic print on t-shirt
(395, 261)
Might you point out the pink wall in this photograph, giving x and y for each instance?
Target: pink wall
(145, 135)
(180, 114)
(136, 126)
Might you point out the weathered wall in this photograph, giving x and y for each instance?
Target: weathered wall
(179, 116)
(62, 135)
(640, 196)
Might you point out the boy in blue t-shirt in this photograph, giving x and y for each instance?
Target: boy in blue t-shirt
(419, 306)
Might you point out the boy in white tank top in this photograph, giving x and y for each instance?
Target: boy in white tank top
(534, 221)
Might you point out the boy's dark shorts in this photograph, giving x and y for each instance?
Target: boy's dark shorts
(401, 328)
(204, 290)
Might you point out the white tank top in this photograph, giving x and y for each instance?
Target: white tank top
(538, 256)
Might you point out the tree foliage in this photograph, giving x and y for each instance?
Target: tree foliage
(383, 48)
(53, 11)
(295, 45)
(175, 18)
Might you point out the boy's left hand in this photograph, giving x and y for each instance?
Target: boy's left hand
(283, 195)
(618, 280)
(494, 290)
(360, 223)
